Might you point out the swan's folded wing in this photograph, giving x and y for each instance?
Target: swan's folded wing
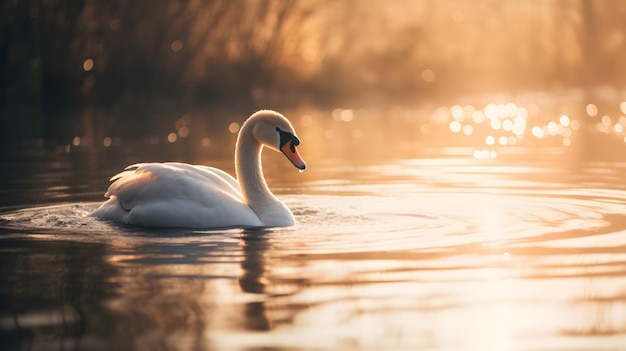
(176, 195)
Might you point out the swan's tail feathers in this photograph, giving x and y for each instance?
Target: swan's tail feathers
(111, 210)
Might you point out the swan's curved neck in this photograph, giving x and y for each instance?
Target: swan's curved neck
(249, 170)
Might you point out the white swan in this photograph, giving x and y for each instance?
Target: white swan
(192, 196)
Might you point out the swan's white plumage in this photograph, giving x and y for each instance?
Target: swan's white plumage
(194, 196)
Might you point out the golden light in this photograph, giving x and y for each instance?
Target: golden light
(519, 126)
(622, 107)
(183, 132)
(428, 75)
(172, 137)
(606, 120)
(457, 113)
(490, 140)
(592, 110)
(76, 141)
(510, 109)
(346, 115)
(553, 128)
(176, 45)
(233, 127)
(455, 126)
(522, 112)
(478, 116)
(496, 124)
(485, 154)
(107, 141)
(468, 129)
(507, 125)
(491, 111)
(564, 120)
(205, 142)
(538, 132)
(88, 65)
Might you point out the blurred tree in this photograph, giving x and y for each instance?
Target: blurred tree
(65, 64)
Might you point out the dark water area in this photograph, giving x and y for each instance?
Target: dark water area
(413, 231)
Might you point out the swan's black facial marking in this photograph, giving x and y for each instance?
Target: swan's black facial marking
(286, 137)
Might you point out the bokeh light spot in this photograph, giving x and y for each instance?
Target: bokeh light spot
(88, 65)
(172, 137)
(496, 124)
(507, 125)
(457, 113)
(176, 45)
(233, 127)
(183, 132)
(455, 126)
(428, 75)
(592, 110)
(478, 117)
(346, 115)
(468, 129)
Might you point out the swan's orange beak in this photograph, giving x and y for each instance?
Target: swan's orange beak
(289, 149)
(288, 143)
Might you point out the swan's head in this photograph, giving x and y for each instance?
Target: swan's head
(273, 130)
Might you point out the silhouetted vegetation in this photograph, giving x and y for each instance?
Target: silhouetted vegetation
(77, 64)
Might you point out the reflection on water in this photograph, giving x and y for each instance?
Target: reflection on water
(441, 252)
(415, 254)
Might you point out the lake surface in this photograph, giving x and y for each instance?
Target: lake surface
(432, 238)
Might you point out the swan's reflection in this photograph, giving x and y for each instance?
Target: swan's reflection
(146, 288)
(255, 244)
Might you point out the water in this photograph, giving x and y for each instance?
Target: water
(432, 250)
